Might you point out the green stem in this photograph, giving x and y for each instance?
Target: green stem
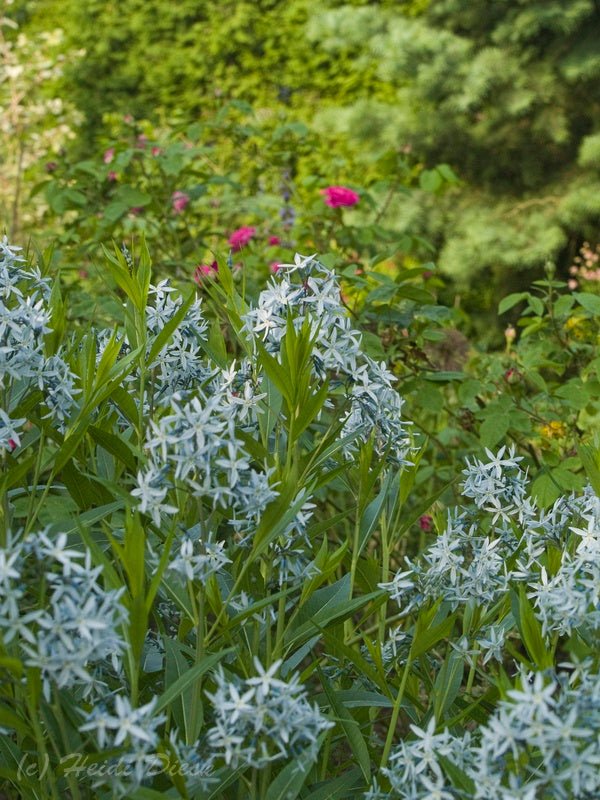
(325, 757)
(197, 694)
(348, 627)
(385, 570)
(395, 714)
(33, 518)
(135, 684)
(58, 713)
(280, 625)
(36, 474)
(4, 508)
(246, 566)
(471, 677)
(265, 781)
(355, 547)
(290, 445)
(142, 367)
(4, 511)
(42, 752)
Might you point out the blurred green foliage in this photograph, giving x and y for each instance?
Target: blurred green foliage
(506, 93)
(173, 60)
(508, 97)
(35, 122)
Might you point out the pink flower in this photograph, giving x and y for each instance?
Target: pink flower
(336, 196)
(205, 271)
(572, 284)
(179, 201)
(273, 240)
(156, 151)
(112, 176)
(240, 237)
(426, 522)
(274, 267)
(109, 155)
(141, 141)
(136, 210)
(128, 119)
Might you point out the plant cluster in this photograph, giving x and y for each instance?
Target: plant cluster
(537, 385)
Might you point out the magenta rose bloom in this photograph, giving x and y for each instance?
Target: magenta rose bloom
(336, 196)
(179, 201)
(240, 237)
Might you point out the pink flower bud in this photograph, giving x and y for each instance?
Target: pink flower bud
(179, 202)
(426, 522)
(203, 271)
